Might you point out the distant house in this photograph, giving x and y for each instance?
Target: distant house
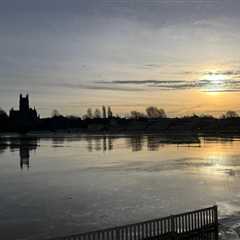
(25, 115)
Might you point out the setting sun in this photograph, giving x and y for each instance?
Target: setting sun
(214, 77)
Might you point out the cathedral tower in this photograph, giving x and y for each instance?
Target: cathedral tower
(24, 103)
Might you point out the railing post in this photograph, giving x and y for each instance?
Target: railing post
(172, 224)
(173, 228)
(216, 221)
(117, 234)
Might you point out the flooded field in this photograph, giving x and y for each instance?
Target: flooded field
(63, 184)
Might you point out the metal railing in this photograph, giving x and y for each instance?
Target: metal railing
(173, 226)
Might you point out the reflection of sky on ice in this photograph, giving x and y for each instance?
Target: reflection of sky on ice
(83, 183)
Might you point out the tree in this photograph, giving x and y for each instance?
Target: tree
(230, 114)
(104, 113)
(97, 113)
(3, 115)
(89, 113)
(110, 114)
(136, 115)
(154, 112)
(55, 113)
(73, 117)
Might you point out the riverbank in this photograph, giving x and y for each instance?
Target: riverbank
(117, 125)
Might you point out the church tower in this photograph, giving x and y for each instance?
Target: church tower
(24, 103)
(25, 116)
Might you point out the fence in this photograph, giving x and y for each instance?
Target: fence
(203, 221)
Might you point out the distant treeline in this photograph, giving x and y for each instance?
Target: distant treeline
(153, 120)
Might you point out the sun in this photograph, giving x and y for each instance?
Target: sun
(214, 81)
(214, 77)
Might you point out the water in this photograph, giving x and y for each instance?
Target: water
(54, 186)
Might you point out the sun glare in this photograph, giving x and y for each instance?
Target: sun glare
(214, 77)
(216, 82)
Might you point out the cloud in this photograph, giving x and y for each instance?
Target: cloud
(226, 73)
(159, 84)
(223, 90)
(99, 87)
(203, 85)
(140, 82)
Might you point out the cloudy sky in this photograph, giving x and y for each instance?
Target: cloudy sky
(180, 55)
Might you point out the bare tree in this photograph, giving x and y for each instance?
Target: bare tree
(89, 113)
(154, 112)
(55, 113)
(136, 115)
(73, 117)
(97, 113)
(104, 113)
(3, 114)
(230, 114)
(110, 114)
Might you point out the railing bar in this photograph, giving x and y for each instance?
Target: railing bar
(210, 217)
(191, 226)
(185, 223)
(189, 222)
(151, 229)
(148, 230)
(176, 225)
(182, 224)
(165, 226)
(140, 230)
(198, 222)
(195, 222)
(179, 224)
(133, 233)
(143, 230)
(137, 232)
(204, 219)
(201, 217)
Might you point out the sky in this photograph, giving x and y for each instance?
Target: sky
(180, 55)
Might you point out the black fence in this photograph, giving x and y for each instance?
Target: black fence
(195, 225)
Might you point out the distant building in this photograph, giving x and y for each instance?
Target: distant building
(25, 114)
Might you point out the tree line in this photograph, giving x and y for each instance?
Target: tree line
(106, 112)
